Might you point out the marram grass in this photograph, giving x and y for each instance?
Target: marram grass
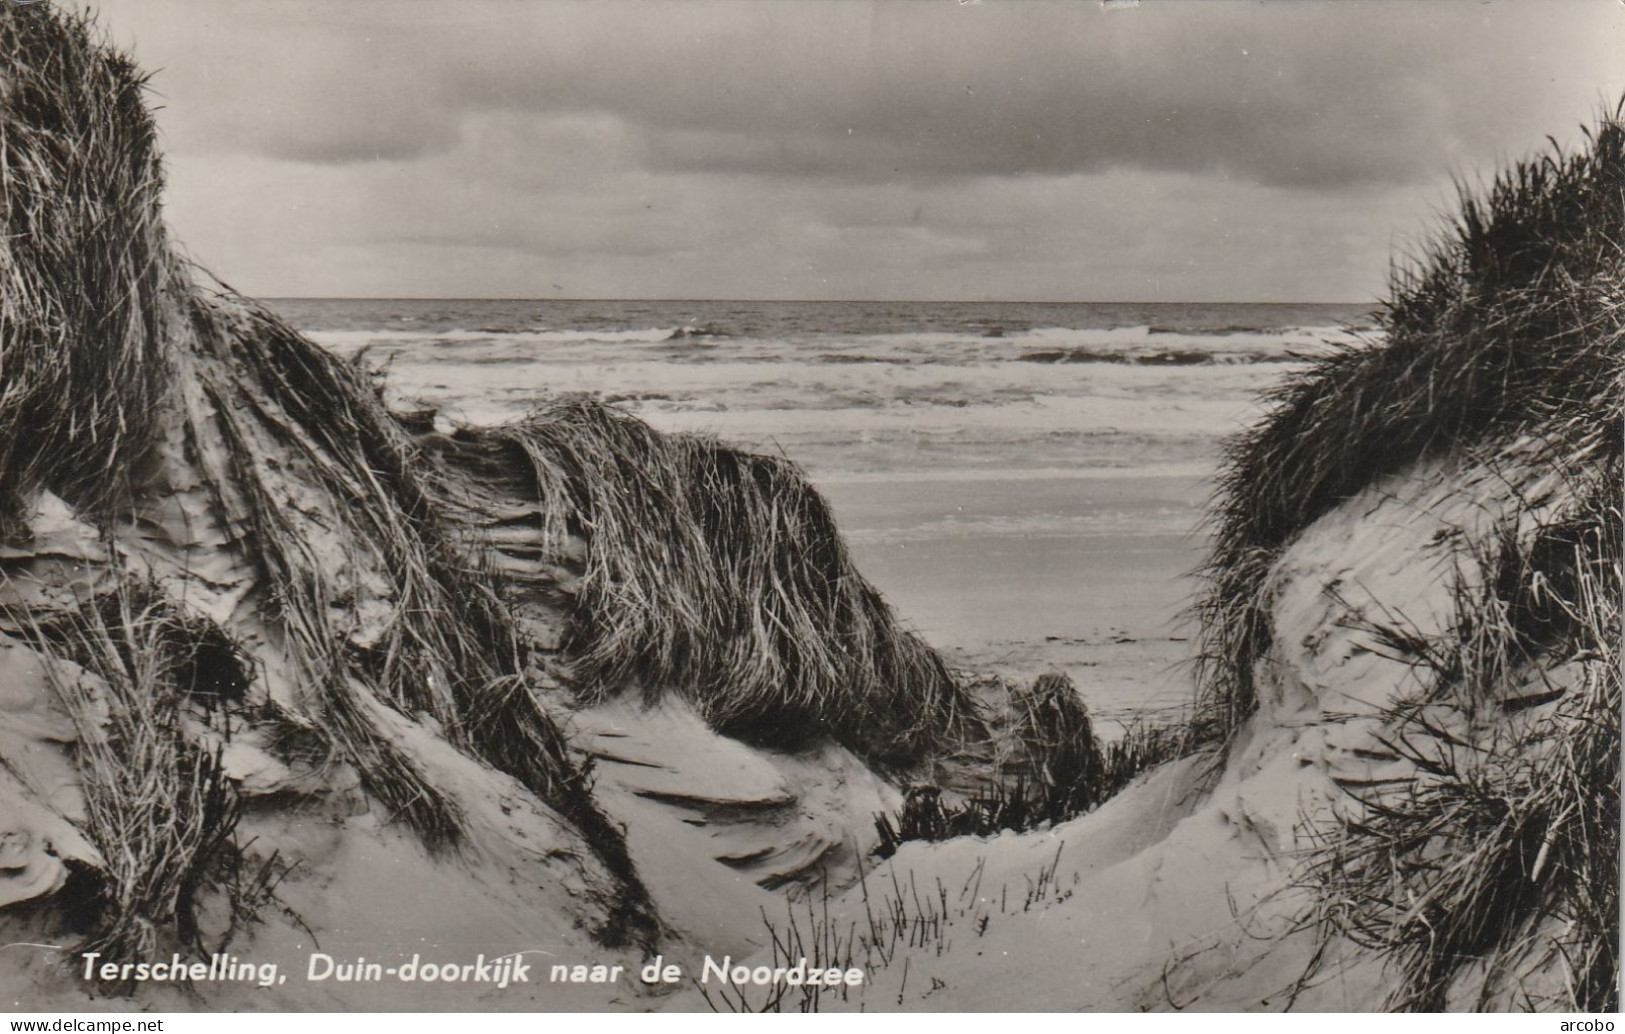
(1492, 881)
(114, 361)
(1511, 322)
(720, 575)
(157, 803)
(85, 271)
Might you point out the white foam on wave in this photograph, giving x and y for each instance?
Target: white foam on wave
(862, 356)
(1123, 339)
(924, 404)
(349, 340)
(1144, 340)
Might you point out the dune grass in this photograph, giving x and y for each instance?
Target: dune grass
(1051, 767)
(1497, 871)
(144, 678)
(903, 917)
(158, 805)
(117, 360)
(1492, 880)
(446, 645)
(721, 575)
(1052, 725)
(85, 271)
(1510, 323)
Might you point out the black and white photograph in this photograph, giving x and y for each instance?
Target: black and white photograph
(714, 506)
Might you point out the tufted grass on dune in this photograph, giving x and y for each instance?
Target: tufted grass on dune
(1509, 323)
(721, 575)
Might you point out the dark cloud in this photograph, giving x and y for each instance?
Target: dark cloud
(1015, 148)
(1301, 94)
(1304, 94)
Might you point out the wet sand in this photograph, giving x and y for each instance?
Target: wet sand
(1086, 574)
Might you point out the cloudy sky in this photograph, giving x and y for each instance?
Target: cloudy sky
(1000, 149)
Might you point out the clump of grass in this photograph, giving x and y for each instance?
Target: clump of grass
(85, 274)
(1500, 863)
(926, 816)
(720, 575)
(1509, 324)
(901, 918)
(1057, 769)
(1067, 771)
(807, 937)
(158, 805)
(1143, 746)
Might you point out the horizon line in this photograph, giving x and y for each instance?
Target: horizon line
(817, 301)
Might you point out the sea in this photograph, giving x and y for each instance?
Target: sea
(1025, 481)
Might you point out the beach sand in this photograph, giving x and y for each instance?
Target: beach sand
(1088, 575)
